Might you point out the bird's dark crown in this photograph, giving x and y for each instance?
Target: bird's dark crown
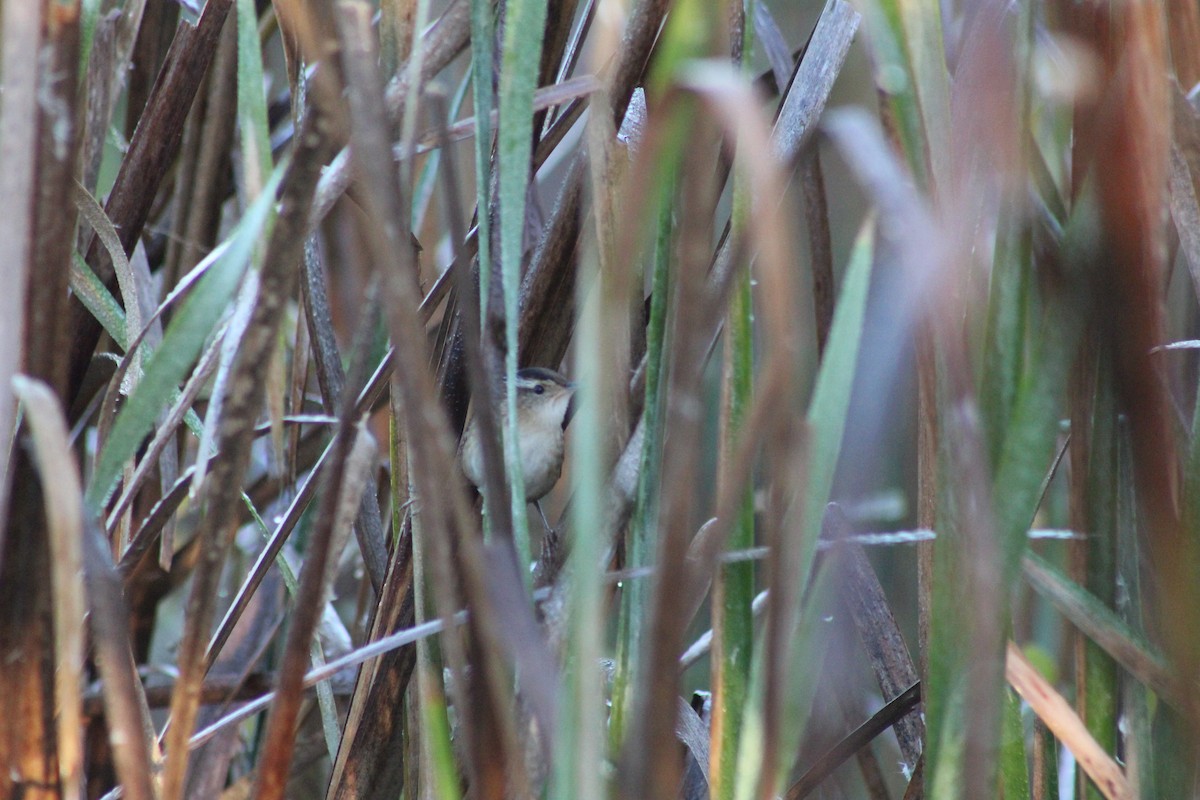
(541, 375)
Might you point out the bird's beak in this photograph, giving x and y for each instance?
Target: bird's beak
(572, 405)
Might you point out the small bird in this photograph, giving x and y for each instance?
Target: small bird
(544, 408)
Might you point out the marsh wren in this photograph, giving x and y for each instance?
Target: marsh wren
(543, 411)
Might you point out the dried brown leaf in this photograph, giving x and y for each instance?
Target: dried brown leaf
(1061, 719)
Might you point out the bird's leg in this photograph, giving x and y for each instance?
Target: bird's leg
(538, 505)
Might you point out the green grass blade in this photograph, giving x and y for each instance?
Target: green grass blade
(98, 300)
(181, 344)
(826, 423)
(807, 656)
(733, 586)
(897, 84)
(251, 103)
(733, 589)
(640, 543)
(921, 23)
(1098, 692)
(1029, 443)
(1014, 769)
(1101, 624)
(89, 15)
(435, 737)
(581, 740)
(1004, 337)
(1140, 757)
(831, 396)
(523, 32)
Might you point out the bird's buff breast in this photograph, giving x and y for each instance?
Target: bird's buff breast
(541, 462)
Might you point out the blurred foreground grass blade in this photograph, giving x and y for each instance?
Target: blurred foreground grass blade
(964, 675)
(1093, 499)
(640, 542)
(826, 421)
(1127, 170)
(182, 342)
(1013, 770)
(436, 739)
(581, 745)
(919, 26)
(524, 25)
(830, 402)
(1028, 443)
(604, 291)
(1140, 754)
(252, 104)
(733, 584)
(915, 104)
(826, 424)
(689, 143)
(646, 769)
(432, 167)
(803, 666)
(905, 42)
(1004, 338)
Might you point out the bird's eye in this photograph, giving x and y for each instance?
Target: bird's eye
(539, 389)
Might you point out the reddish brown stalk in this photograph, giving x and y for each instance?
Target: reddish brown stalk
(1128, 154)
(38, 140)
(54, 214)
